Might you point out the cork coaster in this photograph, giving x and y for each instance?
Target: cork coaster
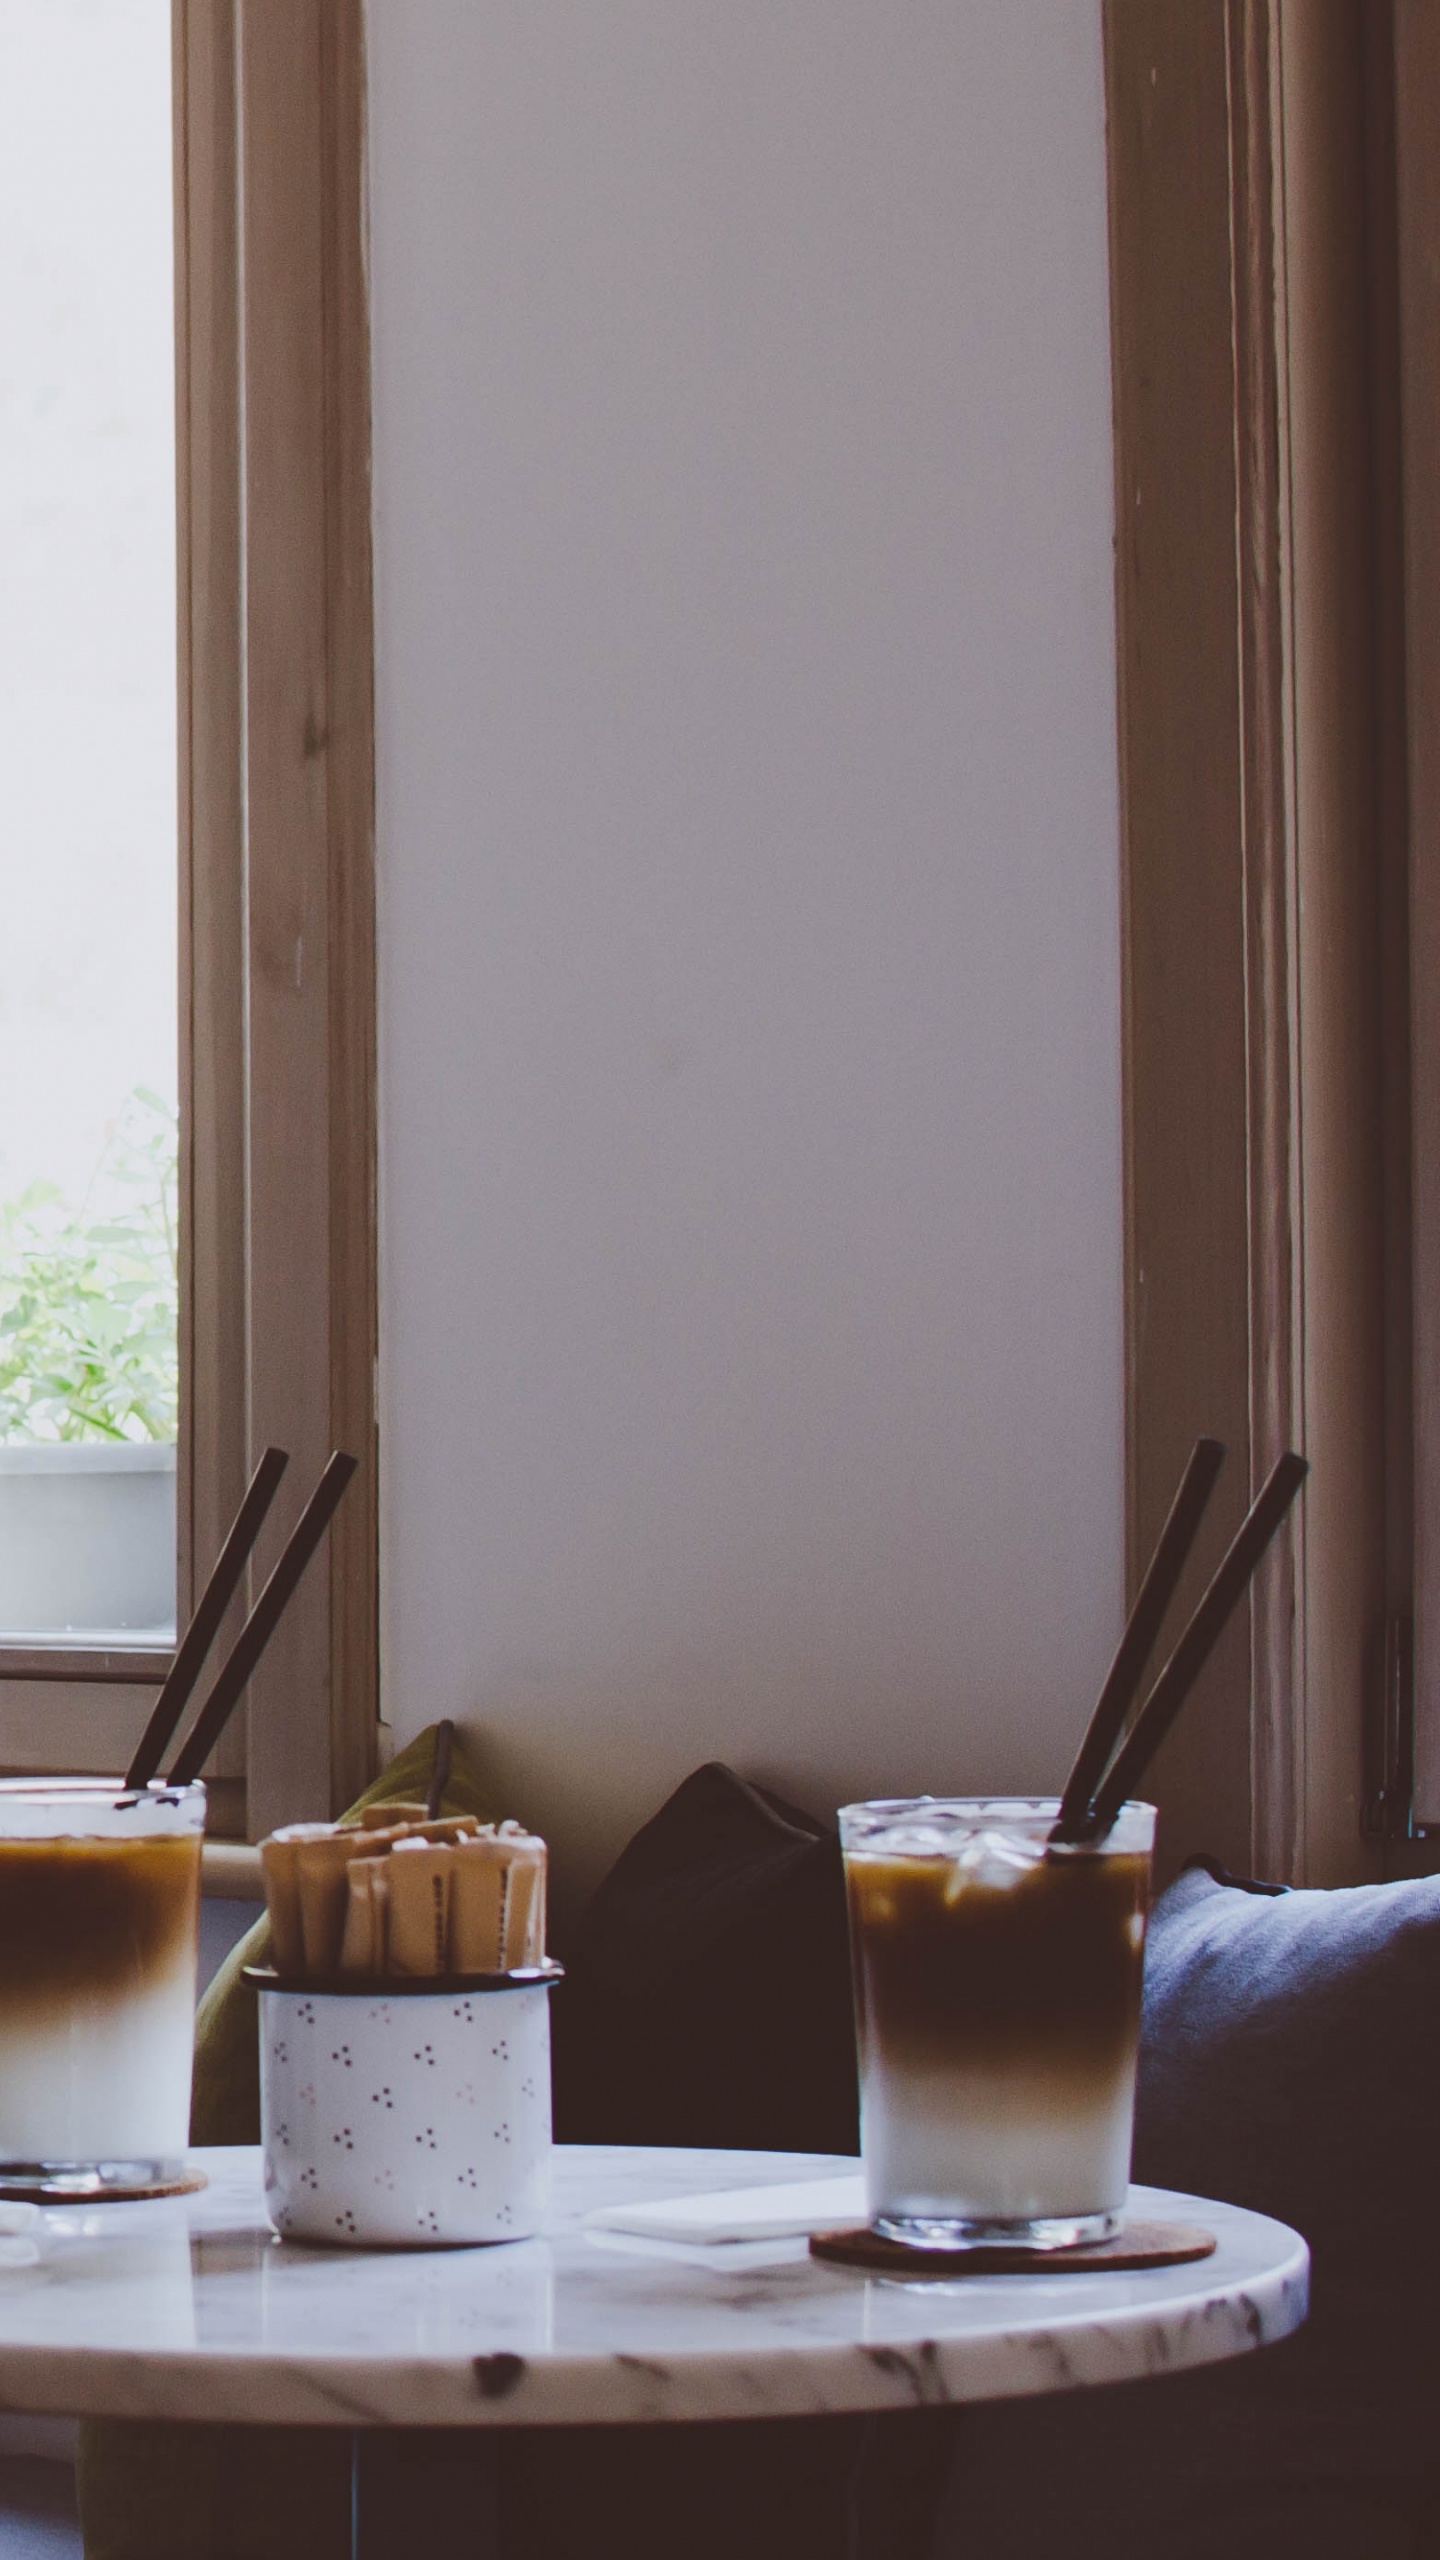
(61, 2191)
(1138, 2244)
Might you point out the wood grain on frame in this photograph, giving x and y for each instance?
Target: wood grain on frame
(1347, 859)
(1183, 977)
(354, 1248)
(212, 1469)
(1264, 575)
(309, 869)
(1417, 108)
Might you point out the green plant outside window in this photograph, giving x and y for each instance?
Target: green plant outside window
(89, 1298)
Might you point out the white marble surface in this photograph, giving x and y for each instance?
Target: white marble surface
(192, 2309)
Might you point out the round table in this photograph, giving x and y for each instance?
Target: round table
(190, 2308)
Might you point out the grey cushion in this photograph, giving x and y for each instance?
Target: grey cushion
(1291, 2062)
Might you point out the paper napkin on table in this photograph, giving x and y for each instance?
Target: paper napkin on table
(741, 2213)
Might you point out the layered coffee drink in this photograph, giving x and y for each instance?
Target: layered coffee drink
(997, 1999)
(99, 1904)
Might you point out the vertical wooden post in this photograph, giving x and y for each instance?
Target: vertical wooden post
(1254, 1073)
(279, 968)
(1417, 101)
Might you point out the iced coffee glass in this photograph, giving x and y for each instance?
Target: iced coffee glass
(99, 1900)
(997, 2003)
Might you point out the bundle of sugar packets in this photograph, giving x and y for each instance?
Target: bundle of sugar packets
(399, 1893)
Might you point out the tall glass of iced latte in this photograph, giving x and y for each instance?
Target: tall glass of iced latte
(997, 2000)
(99, 1901)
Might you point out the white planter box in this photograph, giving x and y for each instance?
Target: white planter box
(87, 1537)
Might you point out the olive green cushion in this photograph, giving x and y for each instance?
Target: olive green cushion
(167, 2492)
(225, 2100)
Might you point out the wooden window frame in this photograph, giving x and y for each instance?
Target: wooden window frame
(277, 970)
(1263, 529)
(1417, 200)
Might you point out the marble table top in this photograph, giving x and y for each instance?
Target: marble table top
(191, 2308)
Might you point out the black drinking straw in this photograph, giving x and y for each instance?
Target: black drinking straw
(1195, 1647)
(264, 1618)
(1138, 1641)
(204, 1626)
(440, 1767)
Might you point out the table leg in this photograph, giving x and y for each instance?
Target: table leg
(432, 2489)
(901, 2467)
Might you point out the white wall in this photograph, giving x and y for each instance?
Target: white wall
(750, 1055)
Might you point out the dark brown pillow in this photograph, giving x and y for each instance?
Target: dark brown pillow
(707, 1995)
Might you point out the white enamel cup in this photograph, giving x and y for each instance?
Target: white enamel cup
(406, 2117)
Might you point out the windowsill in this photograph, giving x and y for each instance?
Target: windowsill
(139, 1654)
(230, 1872)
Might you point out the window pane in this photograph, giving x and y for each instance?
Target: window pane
(87, 820)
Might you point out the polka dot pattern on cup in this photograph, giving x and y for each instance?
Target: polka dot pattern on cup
(420, 2122)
